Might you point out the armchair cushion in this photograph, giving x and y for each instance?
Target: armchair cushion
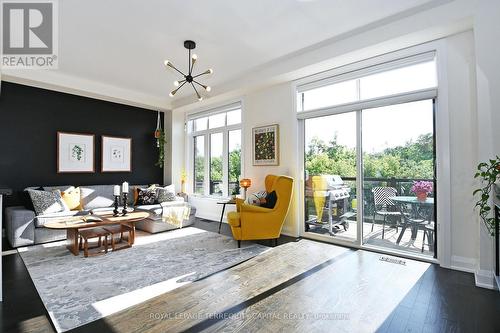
(271, 199)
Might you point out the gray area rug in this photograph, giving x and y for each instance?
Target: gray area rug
(77, 290)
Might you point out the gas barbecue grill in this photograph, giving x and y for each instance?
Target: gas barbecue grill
(330, 195)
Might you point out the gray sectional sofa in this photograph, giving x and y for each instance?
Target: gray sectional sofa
(24, 227)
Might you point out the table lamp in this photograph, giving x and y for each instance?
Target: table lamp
(245, 183)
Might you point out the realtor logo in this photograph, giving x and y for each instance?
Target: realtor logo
(29, 34)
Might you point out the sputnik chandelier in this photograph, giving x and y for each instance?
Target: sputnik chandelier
(189, 78)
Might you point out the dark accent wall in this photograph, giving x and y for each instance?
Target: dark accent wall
(29, 121)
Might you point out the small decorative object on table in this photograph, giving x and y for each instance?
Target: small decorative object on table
(245, 183)
(116, 194)
(125, 198)
(422, 189)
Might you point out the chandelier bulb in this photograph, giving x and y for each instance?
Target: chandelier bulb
(194, 57)
(208, 88)
(200, 98)
(210, 71)
(166, 63)
(176, 83)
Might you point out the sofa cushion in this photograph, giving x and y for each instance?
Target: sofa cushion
(46, 202)
(96, 196)
(41, 220)
(72, 198)
(166, 193)
(156, 210)
(146, 196)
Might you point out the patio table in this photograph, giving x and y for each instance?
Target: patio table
(421, 213)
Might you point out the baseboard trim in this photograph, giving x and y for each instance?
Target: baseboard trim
(464, 264)
(485, 279)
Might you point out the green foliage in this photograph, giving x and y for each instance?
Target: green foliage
(488, 173)
(216, 171)
(161, 149)
(412, 160)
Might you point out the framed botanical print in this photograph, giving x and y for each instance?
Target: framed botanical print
(265, 142)
(116, 154)
(75, 152)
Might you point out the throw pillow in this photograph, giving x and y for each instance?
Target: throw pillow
(257, 199)
(136, 192)
(27, 199)
(46, 202)
(71, 198)
(146, 196)
(271, 199)
(166, 193)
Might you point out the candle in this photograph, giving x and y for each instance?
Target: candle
(125, 187)
(116, 191)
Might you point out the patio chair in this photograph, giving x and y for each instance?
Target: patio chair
(384, 206)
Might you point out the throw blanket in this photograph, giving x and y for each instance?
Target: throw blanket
(174, 212)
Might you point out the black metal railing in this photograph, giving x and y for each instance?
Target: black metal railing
(402, 186)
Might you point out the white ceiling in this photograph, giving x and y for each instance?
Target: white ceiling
(123, 43)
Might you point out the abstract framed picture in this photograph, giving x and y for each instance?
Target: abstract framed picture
(116, 154)
(265, 143)
(75, 152)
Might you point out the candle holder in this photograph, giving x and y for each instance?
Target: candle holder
(125, 199)
(116, 212)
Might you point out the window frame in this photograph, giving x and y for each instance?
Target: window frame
(442, 141)
(207, 133)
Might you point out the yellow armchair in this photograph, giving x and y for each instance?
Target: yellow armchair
(251, 222)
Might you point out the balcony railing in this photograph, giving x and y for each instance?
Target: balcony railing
(402, 186)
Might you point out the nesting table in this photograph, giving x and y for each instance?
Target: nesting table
(73, 225)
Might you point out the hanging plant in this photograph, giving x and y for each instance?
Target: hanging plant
(160, 143)
(488, 173)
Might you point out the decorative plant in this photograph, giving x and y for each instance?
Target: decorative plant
(422, 187)
(161, 147)
(488, 173)
(183, 180)
(236, 189)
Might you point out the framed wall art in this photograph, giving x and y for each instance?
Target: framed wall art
(116, 154)
(75, 152)
(265, 142)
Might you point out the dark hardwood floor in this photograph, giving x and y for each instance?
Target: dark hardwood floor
(439, 300)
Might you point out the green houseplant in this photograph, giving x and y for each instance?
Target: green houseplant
(488, 173)
(160, 137)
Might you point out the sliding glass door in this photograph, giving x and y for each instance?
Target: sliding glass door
(369, 157)
(398, 163)
(331, 171)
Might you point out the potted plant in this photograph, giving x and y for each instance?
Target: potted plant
(488, 173)
(236, 191)
(422, 189)
(160, 142)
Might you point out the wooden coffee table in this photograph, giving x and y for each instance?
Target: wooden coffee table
(73, 224)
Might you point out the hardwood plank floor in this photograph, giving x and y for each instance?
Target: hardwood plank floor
(322, 288)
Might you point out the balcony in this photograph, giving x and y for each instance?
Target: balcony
(414, 217)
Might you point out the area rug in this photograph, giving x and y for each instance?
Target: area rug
(77, 290)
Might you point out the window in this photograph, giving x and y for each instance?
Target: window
(367, 85)
(215, 140)
(369, 145)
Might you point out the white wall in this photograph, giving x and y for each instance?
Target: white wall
(273, 105)
(463, 146)
(486, 32)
